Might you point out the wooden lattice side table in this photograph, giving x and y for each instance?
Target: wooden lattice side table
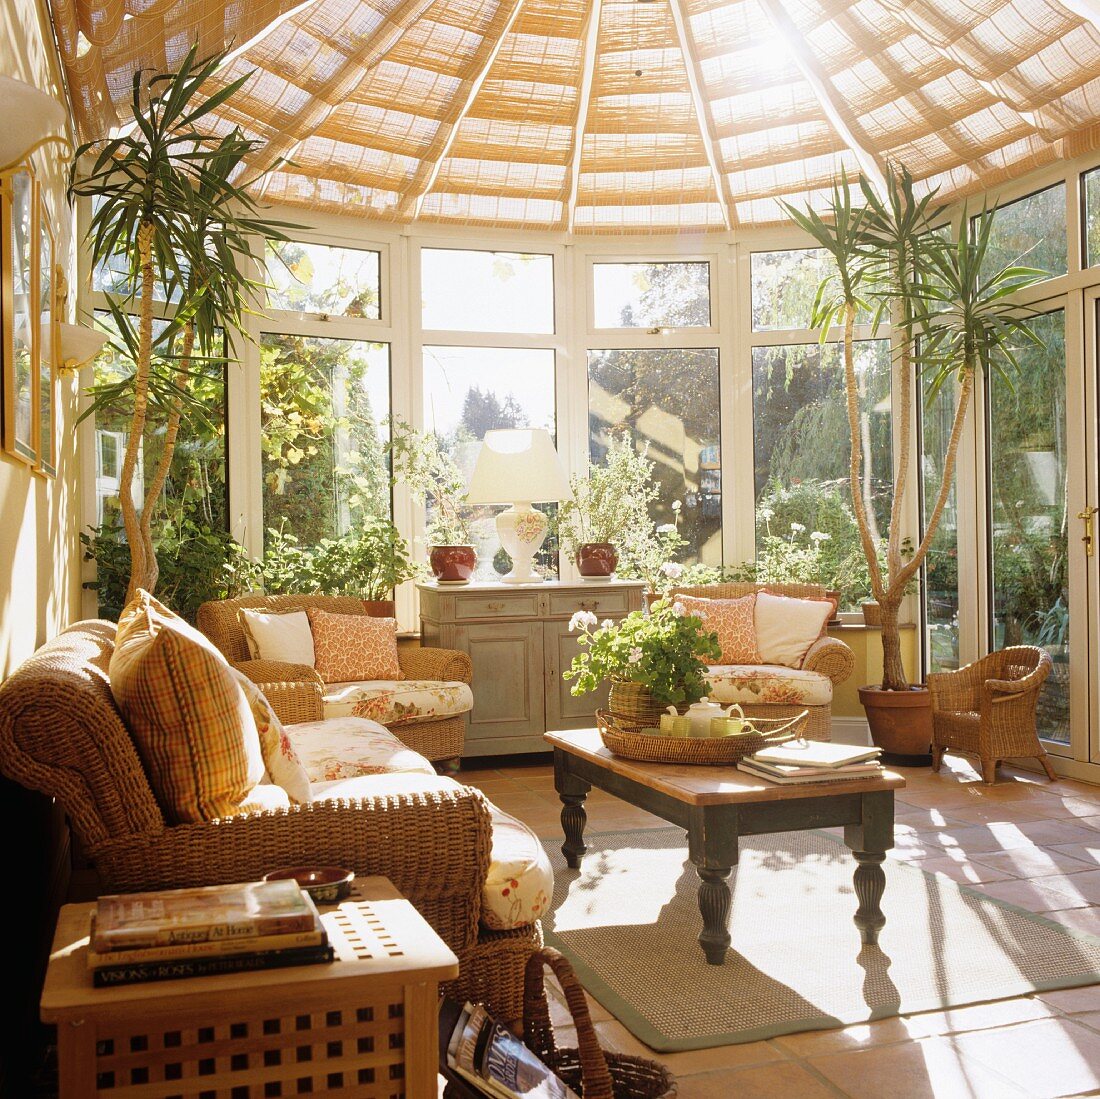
(364, 1025)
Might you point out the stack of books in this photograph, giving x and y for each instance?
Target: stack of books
(213, 929)
(813, 761)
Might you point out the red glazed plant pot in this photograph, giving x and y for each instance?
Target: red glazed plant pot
(380, 608)
(453, 564)
(597, 559)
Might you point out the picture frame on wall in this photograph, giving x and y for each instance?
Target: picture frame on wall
(18, 293)
(46, 388)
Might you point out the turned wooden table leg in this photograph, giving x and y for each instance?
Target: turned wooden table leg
(714, 906)
(712, 847)
(869, 841)
(572, 791)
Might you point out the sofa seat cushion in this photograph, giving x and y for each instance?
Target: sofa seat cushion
(520, 881)
(398, 702)
(760, 684)
(344, 747)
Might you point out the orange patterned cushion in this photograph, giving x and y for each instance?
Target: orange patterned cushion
(732, 620)
(354, 646)
(189, 719)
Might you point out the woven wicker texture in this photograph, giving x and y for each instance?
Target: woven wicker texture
(611, 116)
(987, 709)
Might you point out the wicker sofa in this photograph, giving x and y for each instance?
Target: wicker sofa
(61, 734)
(297, 692)
(827, 663)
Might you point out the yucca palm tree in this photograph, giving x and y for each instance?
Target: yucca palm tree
(949, 318)
(170, 196)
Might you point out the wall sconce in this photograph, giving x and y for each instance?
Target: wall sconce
(77, 344)
(28, 117)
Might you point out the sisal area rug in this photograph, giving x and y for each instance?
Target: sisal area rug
(628, 921)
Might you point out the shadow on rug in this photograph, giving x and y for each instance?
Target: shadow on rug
(628, 920)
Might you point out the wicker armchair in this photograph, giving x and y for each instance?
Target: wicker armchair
(61, 734)
(827, 655)
(295, 690)
(987, 709)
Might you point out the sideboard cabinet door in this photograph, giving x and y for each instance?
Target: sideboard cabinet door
(563, 709)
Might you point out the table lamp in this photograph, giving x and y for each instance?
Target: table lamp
(518, 466)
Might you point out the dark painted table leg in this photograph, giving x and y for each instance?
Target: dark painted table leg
(572, 791)
(714, 907)
(869, 841)
(712, 846)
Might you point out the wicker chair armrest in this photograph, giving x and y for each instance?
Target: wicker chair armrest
(433, 844)
(1030, 682)
(956, 690)
(295, 702)
(830, 656)
(276, 671)
(444, 665)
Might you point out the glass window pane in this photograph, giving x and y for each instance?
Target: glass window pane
(941, 566)
(468, 291)
(1029, 514)
(801, 447)
(651, 295)
(667, 400)
(325, 407)
(1090, 181)
(471, 390)
(1031, 232)
(784, 285)
(112, 275)
(196, 487)
(314, 278)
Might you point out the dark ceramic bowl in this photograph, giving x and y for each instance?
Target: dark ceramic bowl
(325, 884)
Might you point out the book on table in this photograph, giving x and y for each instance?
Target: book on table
(817, 753)
(807, 776)
(784, 770)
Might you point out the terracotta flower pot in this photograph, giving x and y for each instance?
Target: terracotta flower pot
(380, 608)
(901, 724)
(453, 564)
(597, 559)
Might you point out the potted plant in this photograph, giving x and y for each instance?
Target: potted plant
(607, 502)
(653, 660)
(950, 317)
(434, 479)
(171, 199)
(370, 563)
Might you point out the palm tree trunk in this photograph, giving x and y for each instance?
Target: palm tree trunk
(138, 562)
(175, 414)
(901, 480)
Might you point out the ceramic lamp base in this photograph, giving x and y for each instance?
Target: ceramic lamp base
(522, 530)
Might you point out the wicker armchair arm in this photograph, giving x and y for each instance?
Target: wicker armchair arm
(830, 656)
(433, 844)
(295, 702)
(956, 691)
(445, 665)
(1030, 682)
(276, 671)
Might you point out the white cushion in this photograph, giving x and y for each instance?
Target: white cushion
(763, 683)
(344, 747)
(376, 786)
(786, 628)
(398, 702)
(283, 637)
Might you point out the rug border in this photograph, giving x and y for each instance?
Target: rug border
(642, 1029)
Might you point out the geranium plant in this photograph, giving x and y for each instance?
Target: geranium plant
(666, 651)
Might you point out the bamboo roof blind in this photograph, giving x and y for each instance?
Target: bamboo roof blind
(611, 116)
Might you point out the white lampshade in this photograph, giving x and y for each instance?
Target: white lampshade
(79, 345)
(29, 115)
(517, 464)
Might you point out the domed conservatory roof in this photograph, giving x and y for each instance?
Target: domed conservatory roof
(610, 116)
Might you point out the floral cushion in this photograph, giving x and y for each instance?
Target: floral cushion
(768, 683)
(344, 747)
(732, 620)
(398, 703)
(284, 768)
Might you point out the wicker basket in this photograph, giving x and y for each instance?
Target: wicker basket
(588, 1070)
(630, 742)
(633, 704)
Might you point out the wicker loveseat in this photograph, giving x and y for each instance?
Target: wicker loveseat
(808, 687)
(61, 734)
(297, 692)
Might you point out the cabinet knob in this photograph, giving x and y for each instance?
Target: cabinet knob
(594, 605)
(496, 606)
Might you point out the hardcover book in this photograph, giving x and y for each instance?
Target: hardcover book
(825, 774)
(139, 972)
(207, 913)
(817, 753)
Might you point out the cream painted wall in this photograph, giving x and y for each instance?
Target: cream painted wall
(39, 517)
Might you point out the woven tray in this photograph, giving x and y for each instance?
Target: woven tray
(631, 742)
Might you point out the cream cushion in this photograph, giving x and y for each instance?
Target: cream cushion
(771, 684)
(284, 768)
(283, 637)
(398, 702)
(346, 747)
(190, 720)
(786, 628)
(520, 881)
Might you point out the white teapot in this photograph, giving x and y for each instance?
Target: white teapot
(701, 713)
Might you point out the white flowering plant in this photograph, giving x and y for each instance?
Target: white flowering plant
(666, 650)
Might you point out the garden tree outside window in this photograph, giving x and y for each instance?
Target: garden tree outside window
(1090, 186)
(1030, 232)
(316, 278)
(325, 407)
(651, 295)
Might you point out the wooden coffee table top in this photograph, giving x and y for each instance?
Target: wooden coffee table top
(705, 785)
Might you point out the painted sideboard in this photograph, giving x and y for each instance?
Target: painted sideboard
(518, 638)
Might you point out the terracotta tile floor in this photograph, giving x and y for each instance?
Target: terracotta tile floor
(1025, 840)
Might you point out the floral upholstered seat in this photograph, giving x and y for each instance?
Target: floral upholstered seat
(398, 702)
(768, 683)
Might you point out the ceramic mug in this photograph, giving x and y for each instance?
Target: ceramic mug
(726, 726)
(675, 726)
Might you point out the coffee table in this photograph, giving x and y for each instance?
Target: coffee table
(718, 805)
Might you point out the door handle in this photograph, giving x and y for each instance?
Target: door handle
(1087, 537)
